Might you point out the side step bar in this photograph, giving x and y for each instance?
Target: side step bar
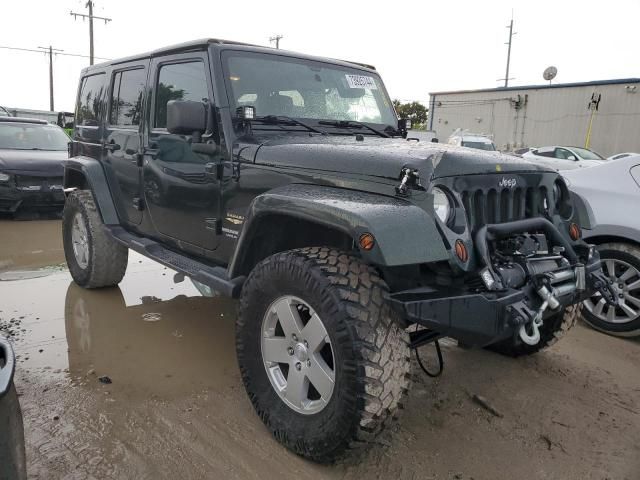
(214, 277)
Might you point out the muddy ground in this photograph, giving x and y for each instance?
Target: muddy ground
(176, 407)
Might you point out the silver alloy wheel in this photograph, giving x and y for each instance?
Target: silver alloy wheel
(624, 278)
(80, 241)
(297, 355)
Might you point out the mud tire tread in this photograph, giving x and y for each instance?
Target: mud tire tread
(107, 257)
(378, 344)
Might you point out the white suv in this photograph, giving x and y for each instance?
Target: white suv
(564, 158)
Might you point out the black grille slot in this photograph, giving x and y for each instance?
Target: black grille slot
(505, 205)
(33, 180)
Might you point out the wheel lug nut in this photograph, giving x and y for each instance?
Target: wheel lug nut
(306, 344)
(298, 366)
(620, 285)
(308, 363)
(621, 296)
(290, 351)
(294, 336)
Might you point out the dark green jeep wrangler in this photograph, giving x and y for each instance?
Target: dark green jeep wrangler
(287, 181)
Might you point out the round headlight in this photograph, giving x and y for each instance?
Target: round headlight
(442, 204)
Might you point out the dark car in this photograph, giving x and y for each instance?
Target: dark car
(31, 155)
(287, 181)
(12, 452)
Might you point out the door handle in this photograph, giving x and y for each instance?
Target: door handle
(112, 147)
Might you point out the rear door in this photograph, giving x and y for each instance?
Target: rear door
(183, 199)
(123, 136)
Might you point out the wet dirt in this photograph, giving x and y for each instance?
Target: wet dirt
(176, 407)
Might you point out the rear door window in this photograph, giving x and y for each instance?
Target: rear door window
(127, 94)
(89, 107)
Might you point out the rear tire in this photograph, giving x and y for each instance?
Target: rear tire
(552, 330)
(95, 259)
(369, 350)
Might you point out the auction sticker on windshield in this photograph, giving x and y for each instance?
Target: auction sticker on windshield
(361, 81)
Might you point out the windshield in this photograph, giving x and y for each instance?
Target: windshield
(587, 154)
(30, 136)
(479, 145)
(294, 87)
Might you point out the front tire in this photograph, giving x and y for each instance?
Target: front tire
(95, 259)
(327, 308)
(553, 329)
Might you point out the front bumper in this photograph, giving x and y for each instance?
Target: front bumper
(13, 197)
(484, 317)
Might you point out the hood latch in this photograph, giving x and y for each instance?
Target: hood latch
(409, 179)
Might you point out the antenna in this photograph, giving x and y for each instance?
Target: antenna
(550, 73)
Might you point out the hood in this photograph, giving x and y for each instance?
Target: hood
(33, 161)
(381, 157)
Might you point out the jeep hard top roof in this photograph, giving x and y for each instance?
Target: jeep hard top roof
(204, 43)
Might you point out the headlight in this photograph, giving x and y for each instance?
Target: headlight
(442, 204)
(4, 177)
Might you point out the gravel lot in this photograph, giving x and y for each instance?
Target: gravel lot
(176, 408)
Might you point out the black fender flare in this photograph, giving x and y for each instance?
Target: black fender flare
(405, 234)
(96, 180)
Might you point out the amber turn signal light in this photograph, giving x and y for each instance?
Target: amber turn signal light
(461, 251)
(574, 232)
(367, 241)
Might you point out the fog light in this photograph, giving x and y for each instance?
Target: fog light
(367, 241)
(574, 232)
(461, 251)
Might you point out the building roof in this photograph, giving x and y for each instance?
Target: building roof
(542, 87)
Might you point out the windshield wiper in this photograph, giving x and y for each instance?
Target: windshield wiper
(283, 119)
(352, 124)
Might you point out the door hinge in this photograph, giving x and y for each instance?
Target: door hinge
(214, 224)
(138, 203)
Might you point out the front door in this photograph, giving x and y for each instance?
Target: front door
(182, 198)
(123, 140)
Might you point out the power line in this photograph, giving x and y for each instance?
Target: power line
(57, 53)
(90, 16)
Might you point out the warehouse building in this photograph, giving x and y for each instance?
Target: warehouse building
(605, 115)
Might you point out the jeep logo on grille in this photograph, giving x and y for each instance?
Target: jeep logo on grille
(507, 182)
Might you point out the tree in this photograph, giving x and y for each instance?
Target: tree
(414, 111)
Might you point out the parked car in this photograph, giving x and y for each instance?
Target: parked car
(286, 180)
(619, 156)
(472, 140)
(564, 158)
(31, 156)
(12, 449)
(610, 194)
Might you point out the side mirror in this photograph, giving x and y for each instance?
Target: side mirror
(572, 157)
(186, 117)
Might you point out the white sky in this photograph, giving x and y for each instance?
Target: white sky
(417, 46)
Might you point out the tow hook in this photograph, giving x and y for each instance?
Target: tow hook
(549, 301)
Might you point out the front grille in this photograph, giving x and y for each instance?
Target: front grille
(505, 205)
(36, 181)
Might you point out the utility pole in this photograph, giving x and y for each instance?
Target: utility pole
(276, 39)
(50, 50)
(91, 16)
(511, 34)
